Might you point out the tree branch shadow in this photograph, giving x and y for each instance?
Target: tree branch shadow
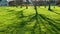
(55, 12)
(51, 23)
(36, 17)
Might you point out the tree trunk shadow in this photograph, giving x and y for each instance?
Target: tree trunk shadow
(55, 12)
(36, 17)
(51, 23)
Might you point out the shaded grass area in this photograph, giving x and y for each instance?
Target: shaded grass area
(24, 21)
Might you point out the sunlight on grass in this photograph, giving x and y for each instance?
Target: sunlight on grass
(11, 19)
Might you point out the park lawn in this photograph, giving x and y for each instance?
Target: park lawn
(16, 20)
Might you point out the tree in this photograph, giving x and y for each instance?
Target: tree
(35, 7)
(16, 3)
(27, 4)
(54, 3)
(58, 2)
(49, 7)
(39, 3)
(21, 2)
(45, 3)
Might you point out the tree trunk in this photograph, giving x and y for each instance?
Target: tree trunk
(45, 3)
(27, 4)
(21, 2)
(49, 7)
(54, 3)
(39, 3)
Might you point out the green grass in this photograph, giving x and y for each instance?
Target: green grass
(22, 21)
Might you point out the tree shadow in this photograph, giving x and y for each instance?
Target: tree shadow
(25, 19)
(35, 17)
(51, 23)
(55, 12)
(30, 19)
(36, 25)
(52, 11)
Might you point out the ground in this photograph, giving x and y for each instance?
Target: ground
(16, 20)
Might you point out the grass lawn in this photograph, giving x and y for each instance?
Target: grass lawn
(24, 21)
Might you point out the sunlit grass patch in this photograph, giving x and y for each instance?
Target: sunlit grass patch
(16, 20)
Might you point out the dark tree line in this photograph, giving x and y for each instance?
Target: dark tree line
(36, 3)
